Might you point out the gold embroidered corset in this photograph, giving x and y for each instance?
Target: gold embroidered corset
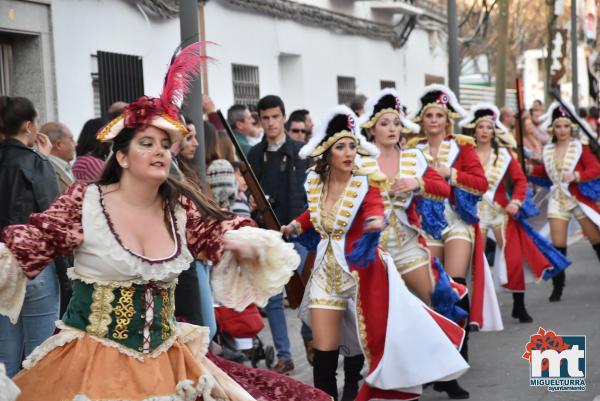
(140, 317)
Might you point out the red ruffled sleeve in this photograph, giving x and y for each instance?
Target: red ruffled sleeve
(468, 173)
(590, 167)
(205, 234)
(54, 232)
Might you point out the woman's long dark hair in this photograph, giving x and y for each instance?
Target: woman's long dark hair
(14, 111)
(87, 144)
(170, 191)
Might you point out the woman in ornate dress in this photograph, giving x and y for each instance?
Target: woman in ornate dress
(345, 216)
(132, 234)
(461, 247)
(572, 172)
(501, 211)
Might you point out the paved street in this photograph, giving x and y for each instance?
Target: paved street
(497, 371)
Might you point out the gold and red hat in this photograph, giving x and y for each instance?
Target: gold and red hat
(163, 112)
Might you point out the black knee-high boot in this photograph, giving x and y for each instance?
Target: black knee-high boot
(519, 311)
(597, 249)
(452, 388)
(352, 367)
(558, 281)
(325, 371)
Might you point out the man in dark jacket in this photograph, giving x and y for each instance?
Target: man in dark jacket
(281, 174)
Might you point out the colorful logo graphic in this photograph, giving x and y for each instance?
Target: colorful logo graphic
(556, 362)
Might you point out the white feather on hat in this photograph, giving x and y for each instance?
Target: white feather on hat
(452, 100)
(320, 132)
(370, 107)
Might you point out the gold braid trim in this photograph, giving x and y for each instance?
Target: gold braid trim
(550, 129)
(379, 180)
(124, 311)
(362, 326)
(463, 139)
(102, 297)
(333, 139)
(166, 313)
(108, 128)
(414, 141)
(373, 120)
(451, 114)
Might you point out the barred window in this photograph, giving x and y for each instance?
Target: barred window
(6, 65)
(245, 84)
(120, 78)
(387, 84)
(346, 89)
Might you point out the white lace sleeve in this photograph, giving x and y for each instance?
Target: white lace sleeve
(8, 390)
(237, 286)
(13, 283)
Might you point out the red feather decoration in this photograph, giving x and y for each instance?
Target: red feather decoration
(182, 72)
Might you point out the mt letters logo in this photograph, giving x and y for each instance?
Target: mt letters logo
(556, 362)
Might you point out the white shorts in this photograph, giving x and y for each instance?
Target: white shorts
(457, 229)
(331, 286)
(490, 217)
(563, 207)
(402, 243)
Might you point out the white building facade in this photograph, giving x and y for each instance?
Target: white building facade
(311, 53)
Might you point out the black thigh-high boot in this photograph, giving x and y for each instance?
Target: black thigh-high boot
(597, 249)
(325, 371)
(558, 281)
(452, 388)
(519, 311)
(352, 367)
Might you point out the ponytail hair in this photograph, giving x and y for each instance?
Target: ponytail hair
(14, 111)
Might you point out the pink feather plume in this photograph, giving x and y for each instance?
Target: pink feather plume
(182, 72)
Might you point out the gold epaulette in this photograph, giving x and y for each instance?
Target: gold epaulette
(464, 139)
(379, 180)
(411, 143)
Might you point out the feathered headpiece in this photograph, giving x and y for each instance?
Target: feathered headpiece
(163, 112)
(339, 123)
(441, 96)
(556, 112)
(489, 112)
(386, 101)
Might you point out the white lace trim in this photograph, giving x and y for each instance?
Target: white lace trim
(13, 284)
(123, 261)
(186, 333)
(238, 285)
(74, 275)
(185, 391)
(8, 390)
(65, 336)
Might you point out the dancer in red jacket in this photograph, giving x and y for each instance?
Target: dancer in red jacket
(500, 209)
(572, 172)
